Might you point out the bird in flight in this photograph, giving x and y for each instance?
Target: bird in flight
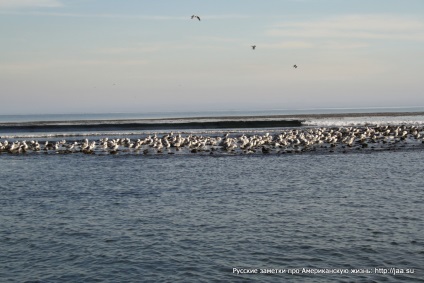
(295, 66)
(194, 16)
(253, 47)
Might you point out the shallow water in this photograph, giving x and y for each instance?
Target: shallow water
(131, 218)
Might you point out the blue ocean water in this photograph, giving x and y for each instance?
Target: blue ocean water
(59, 126)
(191, 218)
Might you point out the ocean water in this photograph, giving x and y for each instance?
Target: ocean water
(352, 213)
(58, 126)
(192, 218)
(224, 113)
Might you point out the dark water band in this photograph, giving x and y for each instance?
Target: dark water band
(33, 127)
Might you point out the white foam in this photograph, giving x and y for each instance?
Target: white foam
(366, 121)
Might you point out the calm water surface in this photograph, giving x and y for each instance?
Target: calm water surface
(78, 218)
(224, 113)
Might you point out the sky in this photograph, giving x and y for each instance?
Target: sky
(109, 56)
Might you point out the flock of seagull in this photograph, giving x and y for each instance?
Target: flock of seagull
(253, 46)
(287, 141)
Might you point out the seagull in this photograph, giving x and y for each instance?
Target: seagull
(295, 66)
(194, 16)
(253, 47)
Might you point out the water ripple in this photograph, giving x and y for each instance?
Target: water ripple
(194, 219)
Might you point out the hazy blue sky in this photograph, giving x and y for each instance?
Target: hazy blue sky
(79, 56)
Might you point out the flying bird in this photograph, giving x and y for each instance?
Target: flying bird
(295, 66)
(253, 47)
(194, 16)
